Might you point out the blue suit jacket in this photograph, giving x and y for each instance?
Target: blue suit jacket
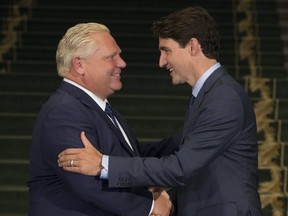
(215, 168)
(54, 191)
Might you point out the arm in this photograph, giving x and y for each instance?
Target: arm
(88, 160)
(161, 148)
(211, 130)
(85, 161)
(60, 130)
(214, 130)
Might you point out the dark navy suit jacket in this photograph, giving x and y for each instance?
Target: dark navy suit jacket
(54, 191)
(215, 168)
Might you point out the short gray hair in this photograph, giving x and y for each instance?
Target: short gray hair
(77, 41)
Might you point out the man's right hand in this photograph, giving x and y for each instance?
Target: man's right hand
(162, 204)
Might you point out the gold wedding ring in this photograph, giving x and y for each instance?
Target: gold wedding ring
(71, 163)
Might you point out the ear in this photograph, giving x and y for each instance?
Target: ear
(194, 46)
(77, 64)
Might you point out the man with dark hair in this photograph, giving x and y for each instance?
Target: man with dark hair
(215, 168)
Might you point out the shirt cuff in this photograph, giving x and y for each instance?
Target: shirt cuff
(152, 207)
(104, 163)
(104, 174)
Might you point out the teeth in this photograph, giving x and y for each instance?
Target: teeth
(171, 69)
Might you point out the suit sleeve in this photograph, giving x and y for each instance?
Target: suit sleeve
(161, 148)
(61, 130)
(218, 123)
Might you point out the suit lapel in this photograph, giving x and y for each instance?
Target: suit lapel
(127, 131)
(209, 84)
(87, 101)
(192, 112)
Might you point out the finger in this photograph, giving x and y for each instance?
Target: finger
(65, 163)
(88, 144)
(85, 140)
(70, 151)
(165, 194)
(66, 158)
(156, 189)
(72, 169)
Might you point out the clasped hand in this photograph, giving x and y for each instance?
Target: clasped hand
(162, 202)
(86, 160)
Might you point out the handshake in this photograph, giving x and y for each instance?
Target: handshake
(87, 161)
(162, 203)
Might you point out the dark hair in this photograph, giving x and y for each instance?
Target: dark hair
(192, 22)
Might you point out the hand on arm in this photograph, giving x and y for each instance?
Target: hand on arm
(86, 160)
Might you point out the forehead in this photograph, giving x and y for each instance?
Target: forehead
(106, 43)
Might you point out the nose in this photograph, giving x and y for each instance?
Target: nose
(162, 61)
(121, 63)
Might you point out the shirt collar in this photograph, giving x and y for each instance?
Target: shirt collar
(200, 82)
(98, 100)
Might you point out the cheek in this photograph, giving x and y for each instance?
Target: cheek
(95, 77)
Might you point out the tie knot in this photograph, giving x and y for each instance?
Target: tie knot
(110, 113)
(108, 110)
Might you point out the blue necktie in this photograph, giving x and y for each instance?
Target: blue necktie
(192, 99)
(110, 113)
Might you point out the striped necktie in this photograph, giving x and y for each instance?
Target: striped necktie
(110, 113)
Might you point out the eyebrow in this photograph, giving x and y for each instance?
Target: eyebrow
(164, 48)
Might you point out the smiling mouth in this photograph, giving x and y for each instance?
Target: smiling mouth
(116, 75)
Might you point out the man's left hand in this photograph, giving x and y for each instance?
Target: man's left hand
(86, 160)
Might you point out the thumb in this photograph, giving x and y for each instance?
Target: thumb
(85, 140)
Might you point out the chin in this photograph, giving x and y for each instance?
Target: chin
(117, 88)
(176, 82)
